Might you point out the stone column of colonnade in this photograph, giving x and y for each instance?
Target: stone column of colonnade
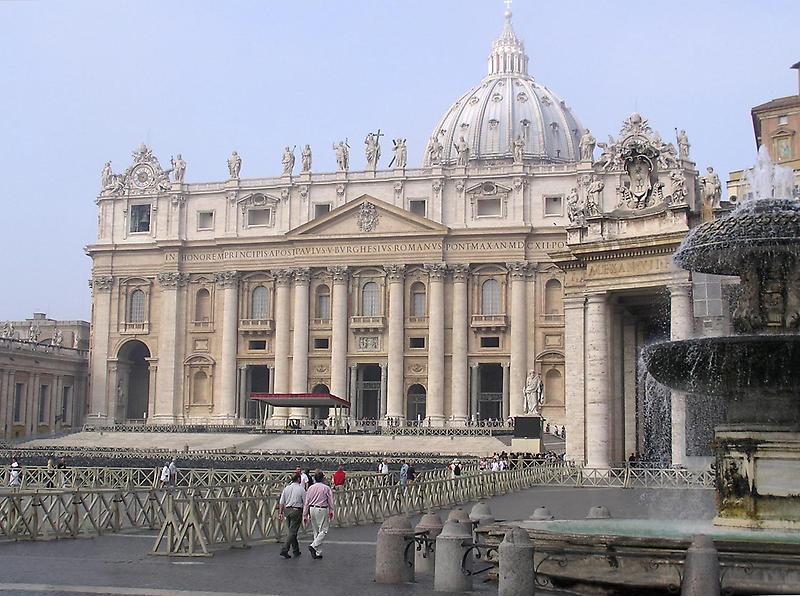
(164, 406)
(283, 279)
(300, 338)
(681, 327)
(596, 378)
(395, 275)
(435, 393)
(339, 332)
(459, 385)
(98, 403)
(519, 272)
(229, 282)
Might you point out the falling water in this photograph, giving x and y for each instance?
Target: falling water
(767, 180)
(656, 423)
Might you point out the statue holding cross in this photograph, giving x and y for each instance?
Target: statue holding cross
(373, 149)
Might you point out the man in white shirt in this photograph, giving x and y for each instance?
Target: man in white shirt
(291, 507)
(165, 475)
(15, 476)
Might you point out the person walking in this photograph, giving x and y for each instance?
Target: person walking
(165, 475)
(318, 508)
(51, 471)
(403, 473)
(290, 506)
(15, 474)
(173, 473)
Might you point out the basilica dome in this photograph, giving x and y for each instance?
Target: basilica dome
(507, 106)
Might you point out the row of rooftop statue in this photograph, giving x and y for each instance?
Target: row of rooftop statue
(638, 151)
(34, 332)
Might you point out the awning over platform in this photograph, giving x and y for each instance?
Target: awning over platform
(301, 400)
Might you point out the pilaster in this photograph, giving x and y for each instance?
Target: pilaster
(519, 273)
(681, 327)
(459, 365)
(166, 393)
(229, 282)
(597, 391)
(395, 275)
(101, 328)
(340, 277)
(300, 338)
(435, 396)
(283, 280)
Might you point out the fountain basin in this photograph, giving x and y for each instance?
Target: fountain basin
(755, 374)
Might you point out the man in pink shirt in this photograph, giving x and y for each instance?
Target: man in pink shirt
(318, 507)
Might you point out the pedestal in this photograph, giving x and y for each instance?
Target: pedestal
(527, 434)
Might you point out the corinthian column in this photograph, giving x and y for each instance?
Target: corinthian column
(165, 397)
(681, 327)
(597, 395)
(300, 338)
(394, 389)
(435, 396)
(101, 328)
(229, 282)
(283, 279)
(519, 335)
(459, 367)
(339, 339)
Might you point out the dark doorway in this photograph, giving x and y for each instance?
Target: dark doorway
(320, 413)
(490, 391)
(133, 380)
(369, 391)
(258, 380)
(415, 403)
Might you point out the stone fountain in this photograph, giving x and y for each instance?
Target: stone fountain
(757, 370)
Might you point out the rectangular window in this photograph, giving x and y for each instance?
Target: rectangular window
(706, 295)
(259, 217)
(19, 389)
(140, 218)
(553, 206)
(783, 120)
(490, 342)
(205, 220)
(321, 209)
(489, 208)
(257, 344)
(42, 404)
(321, 343)
(65, 399)
(418, 207)
(416, 343)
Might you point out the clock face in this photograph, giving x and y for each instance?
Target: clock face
(143, 176)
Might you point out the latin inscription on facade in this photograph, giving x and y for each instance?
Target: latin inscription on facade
(603, 269)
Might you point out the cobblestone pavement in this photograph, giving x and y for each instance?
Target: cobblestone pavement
(120, 564)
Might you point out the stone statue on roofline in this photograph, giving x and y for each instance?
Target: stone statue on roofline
(342, 150)
(400, 158)
(372, 149)
(435, 151)
(462, 148)
(178, 168)
(683, 145)
(519, 149)
(305, 159)
(33, 333)
(287, 161)
(587, 145)
(106, 177)
(234, 165)
(711, 188)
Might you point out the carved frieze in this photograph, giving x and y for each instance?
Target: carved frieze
(368, 343)
(368, 217)
(143, 176)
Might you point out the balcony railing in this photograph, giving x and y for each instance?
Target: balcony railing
(554, 318)
(489, 322)
(141, 328)
(256, 325)
(418, 320)
(367, 324)
(204, 325)
(317, 323)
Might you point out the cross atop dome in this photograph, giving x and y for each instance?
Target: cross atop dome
(508, 52)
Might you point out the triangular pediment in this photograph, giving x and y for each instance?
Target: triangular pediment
(367, 216)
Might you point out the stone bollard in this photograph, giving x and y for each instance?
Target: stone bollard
(450, 549)
(516, 575)
(458, 514)
(599, 512)
(701, 568)
(432, 522)
(390, 564)
(481, 514)
(541, 514)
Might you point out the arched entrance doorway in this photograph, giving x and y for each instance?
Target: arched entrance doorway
(320, 413)
(415, 404)
(133, 381)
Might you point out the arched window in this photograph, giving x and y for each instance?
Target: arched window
(553, 387)
(321, 389)
(322, 308)
(202, 305)
(136, 311)
(553, 298)
(490, 297)
(418, 299)
(370, 306)
(416, 403)
(259, 303)
(200, 388)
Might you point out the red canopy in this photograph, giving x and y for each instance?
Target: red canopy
(301, 400)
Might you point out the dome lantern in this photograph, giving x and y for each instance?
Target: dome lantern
(508, 52)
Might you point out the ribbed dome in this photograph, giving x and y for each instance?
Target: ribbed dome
(508, 104)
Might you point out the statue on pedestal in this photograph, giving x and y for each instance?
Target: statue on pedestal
(519, 148)
(533, 393)
(683, 145)
(234, 165)
(33, 333)
(287, 160)
(57, 339)
(106, 177)
(342, 156)
(587, 145)
(593, 193)
(305, 158)
(400, 158)
(574, 210)
(372, 149)
(178, 168)
(435, 150)
(462, 148)
(8, 330)
(711, 188)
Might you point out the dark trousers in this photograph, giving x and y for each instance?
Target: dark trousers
(293, 518)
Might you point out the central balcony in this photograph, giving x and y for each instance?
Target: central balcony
(260, 326)
(367, 324)
(489, 322)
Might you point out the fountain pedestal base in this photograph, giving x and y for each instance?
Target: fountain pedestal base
(758, 478)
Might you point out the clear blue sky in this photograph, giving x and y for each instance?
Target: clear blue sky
(85, 82)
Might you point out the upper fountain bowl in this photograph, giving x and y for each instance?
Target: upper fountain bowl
(755, 230)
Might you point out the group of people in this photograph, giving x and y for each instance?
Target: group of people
(308, 499)
(169, 474)
(55, 469)
(555, 430)
(406, 475)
